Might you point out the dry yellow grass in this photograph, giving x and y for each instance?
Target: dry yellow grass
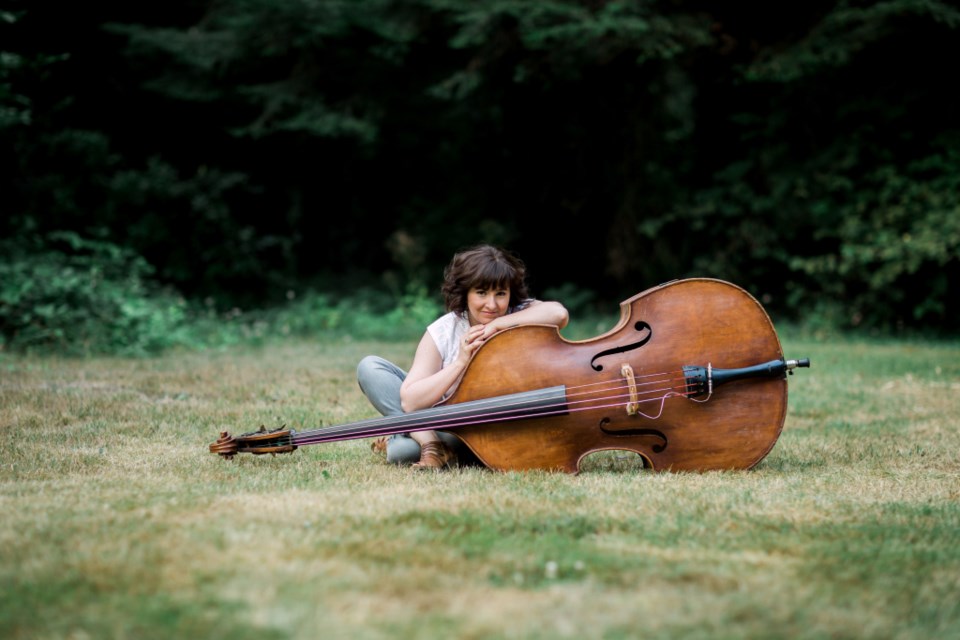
(118, 523)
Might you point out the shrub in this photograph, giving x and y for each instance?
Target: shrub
(77, 296)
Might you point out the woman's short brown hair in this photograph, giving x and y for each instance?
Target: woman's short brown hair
(483, 266)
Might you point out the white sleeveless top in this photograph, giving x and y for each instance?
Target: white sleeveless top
(447, 332)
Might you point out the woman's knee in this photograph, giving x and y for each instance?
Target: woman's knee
(370, 368)
(367, 364)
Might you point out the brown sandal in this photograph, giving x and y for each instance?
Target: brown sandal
(435, 456)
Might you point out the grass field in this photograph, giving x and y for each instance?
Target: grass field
(118, 523)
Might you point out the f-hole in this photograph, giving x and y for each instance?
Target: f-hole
(656, 434)
(640, 327)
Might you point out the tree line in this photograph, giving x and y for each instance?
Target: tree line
(240, 150)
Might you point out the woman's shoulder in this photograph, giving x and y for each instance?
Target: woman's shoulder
(448, 328)
(447, 320)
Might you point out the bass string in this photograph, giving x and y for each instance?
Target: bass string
(489, 418)
(398, 423)
(584, 400)
(499, 406)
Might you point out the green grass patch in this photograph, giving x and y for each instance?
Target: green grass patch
(117, 521)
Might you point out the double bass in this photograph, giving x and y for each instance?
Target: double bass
(691, 378)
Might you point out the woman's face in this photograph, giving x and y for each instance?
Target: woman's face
(486, 304)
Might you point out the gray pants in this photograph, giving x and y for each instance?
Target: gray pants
(380, 381)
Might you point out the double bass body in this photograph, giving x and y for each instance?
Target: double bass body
(697, 322)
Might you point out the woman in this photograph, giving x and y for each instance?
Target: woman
(485, 291)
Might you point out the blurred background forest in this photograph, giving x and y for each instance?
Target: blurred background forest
(164, 163)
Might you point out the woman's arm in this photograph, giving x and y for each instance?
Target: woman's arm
(428, 379)
(538, 312)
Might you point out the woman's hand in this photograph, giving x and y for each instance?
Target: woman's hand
(473, 339)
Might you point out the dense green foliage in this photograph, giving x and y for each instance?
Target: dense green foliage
(87, 297)
(79, 297)
(244, 149)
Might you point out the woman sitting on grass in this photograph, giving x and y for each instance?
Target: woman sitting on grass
(485, 292)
